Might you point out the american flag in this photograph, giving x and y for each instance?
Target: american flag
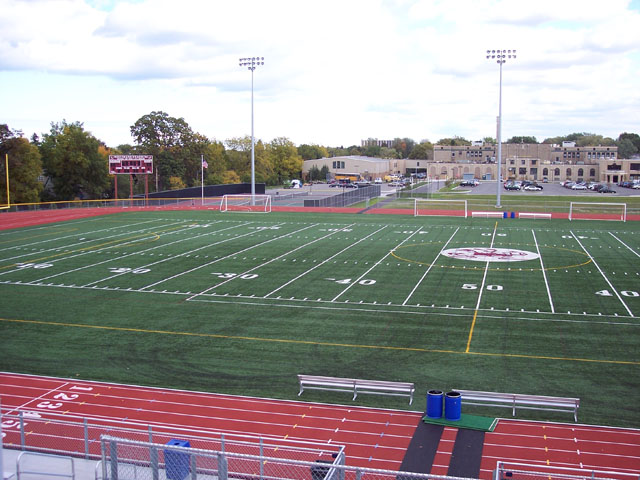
(205, 164)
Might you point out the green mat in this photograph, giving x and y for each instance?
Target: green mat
(471, 422)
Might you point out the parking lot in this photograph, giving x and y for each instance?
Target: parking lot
(489, 188)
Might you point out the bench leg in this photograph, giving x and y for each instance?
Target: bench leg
(301, 390)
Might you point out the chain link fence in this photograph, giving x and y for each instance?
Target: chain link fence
(80, 437)
(125, 460)
(520, 471)
(348, 197)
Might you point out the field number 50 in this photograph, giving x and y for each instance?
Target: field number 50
(474, 286)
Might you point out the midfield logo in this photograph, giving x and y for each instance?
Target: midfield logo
(485, 254)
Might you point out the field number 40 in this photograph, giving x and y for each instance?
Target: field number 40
(474, 286)
(626, 293)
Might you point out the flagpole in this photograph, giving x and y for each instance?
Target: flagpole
(202, 179)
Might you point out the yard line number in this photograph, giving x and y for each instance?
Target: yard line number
(624, 293)
(348, 281)
(474, 286)
(245, 276)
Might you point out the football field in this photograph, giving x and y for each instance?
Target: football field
(241, 303)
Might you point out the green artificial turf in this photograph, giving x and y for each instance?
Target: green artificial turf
(241, 303)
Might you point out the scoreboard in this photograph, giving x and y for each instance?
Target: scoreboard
(132, 164)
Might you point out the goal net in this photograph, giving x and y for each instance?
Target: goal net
(246, 203)
(429, 207)
(598, 211)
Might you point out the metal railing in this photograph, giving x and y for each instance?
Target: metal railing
(80, 436)
(521, 471)
(31, 464)
(123, 459)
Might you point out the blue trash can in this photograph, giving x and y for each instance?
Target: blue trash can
(513, 214)
(452, 406)
(505, 214)
(434, 403)
(177, 464)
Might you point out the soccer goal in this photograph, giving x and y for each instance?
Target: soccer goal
(598, 211)
(246, 203)
(437, 207)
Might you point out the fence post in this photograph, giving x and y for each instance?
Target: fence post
(150, 434)
(22, 439)
(153, 461)
(113, 458)
(194, 467)
(223, 468)
(261, 461)
(222, 443)
(358, 474)
(86, 438)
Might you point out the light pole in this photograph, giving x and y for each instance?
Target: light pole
(500, 56)
(251, 64)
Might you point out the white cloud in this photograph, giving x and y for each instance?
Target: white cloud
(335, 71)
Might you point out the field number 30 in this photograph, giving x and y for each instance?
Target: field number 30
(474, 286)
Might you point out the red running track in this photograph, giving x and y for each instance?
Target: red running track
(375, 438)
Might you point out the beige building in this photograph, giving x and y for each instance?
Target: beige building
(540, 162)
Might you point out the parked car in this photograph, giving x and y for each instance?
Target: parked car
(578, 186)
(533, 187)
(377, 181)
(396, 184)
(636, 186)
(606, 189)
(511, 186)
(469, 183)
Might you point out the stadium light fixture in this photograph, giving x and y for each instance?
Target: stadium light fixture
(500, 56)
(251, 63)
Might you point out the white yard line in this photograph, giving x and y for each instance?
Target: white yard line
(604, 276)
(82, 244)
(355, 282)
(486, 269)
(77, 234)
(430, 267)
(323, 262)
(188, 252)
(278, 257)
(228, 256)
(112, 259)
(630, 249)
(544, 273)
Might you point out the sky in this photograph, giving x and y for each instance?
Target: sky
(335, 71)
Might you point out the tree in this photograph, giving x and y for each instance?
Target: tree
(626, 148)
(314, 174)
(389, 153)
(422, 151)
(71, 157)
(324, 173)
(25, 166)
(632, 137)
(284, 159)
(522, 139)
(373, 151)
(403, 146)
(454, 142)
(490, 140)
(174, 145)
(157, 131)
(312, 152)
